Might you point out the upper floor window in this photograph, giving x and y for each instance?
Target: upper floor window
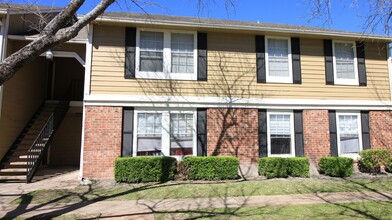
(278, 60)
(349, 134)
(280, 134)
(345, 63)
(166, 55)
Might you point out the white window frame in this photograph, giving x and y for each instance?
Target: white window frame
(277, 79)
(338, 81)
(292, 136)
(166, 74)
(350, 155)
(165, 148)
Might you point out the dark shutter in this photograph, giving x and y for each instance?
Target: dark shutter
(262, 132)
(296, 60)
(201, 132)
(365, 130)
(332, 133)
(202, 56)
(260, 59)
(298, 131)
(127, 132)
(328, 56)
(130, 52)
(361, 63)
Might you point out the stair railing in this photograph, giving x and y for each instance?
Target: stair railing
(35, 154)
(42, 142)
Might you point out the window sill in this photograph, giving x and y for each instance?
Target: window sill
(286, 80)
(281, 155)
(166, 76)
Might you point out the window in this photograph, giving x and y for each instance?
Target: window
(170, 133)
(349, 134)
(278, 60)
(280, 134)
(151, 51)
(181, 134)
(149, 134)
(345, 65)
(166, 55)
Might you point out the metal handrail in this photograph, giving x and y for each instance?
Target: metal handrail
(39, 144)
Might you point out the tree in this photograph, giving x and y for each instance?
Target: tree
(50, 36)
(378, 17)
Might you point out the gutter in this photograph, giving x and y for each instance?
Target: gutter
(242, 27)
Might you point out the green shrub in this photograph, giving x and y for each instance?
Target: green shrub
(298, 166)
(371, 160)
(211, 168)
(275, 167)
(336, 166)
(388, 166)
(144, 169)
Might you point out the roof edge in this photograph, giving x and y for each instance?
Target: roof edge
(106, 18)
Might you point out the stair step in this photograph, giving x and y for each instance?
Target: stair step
(13, 159)
(14, 173)
(15, 166)
(21, 153)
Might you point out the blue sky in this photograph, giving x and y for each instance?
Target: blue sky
(344, 16)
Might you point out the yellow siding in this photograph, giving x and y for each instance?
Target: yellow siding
(22, 95)
(232, 71)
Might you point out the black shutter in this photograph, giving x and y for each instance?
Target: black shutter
(361, 63)
(262, 130)
(130, 52)
(332, 133)
(365, 130)
(202, 56)
(201, 132)
(296, 60)
(127, 132)
(260, 59)
(298, 131)
(328, 56)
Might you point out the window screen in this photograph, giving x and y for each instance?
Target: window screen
(181, 134)
(182, 53)
(151, 51)
(278, 61)
(149, 134)
(280, 134)
(344, 55)
(348, 134)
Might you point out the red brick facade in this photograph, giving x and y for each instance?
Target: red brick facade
(102, 141)
(233, 132)
(380, 123)
(316, 134)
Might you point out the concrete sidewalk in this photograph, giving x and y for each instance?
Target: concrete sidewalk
(146, 208)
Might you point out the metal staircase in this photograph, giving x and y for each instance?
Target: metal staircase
(25, 155)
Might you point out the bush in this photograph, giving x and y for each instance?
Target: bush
(298, 167)
(144, 169)
(275, 167)
(371, 160)
(211, 168)
(336, 166)
(388, 166)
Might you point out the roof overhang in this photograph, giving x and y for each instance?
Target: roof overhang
(242, 27)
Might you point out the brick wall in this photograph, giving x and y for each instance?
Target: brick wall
(380, 129)
(316, 134)
(102, 141)
(233, 132)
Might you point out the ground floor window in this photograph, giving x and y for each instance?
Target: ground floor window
(280, 133)
(170, 133)
(349, 134)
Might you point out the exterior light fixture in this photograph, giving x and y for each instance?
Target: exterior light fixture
(49, 55)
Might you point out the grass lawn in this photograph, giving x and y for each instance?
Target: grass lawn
(360, 210)
(184, 189)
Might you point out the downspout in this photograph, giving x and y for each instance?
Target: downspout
(389, 59)
(86, 93)
(3, 50)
